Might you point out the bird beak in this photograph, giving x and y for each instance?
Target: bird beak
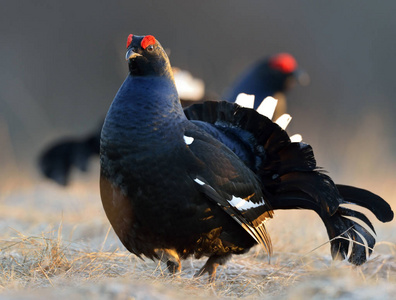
(302, 77)
(131, 54)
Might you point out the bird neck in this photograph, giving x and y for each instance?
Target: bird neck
(145, 104)
(144, 68)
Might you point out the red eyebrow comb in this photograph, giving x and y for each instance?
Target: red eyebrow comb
(129, 40)
(147, 41)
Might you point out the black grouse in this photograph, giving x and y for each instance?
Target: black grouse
(272, 76)
(202, 181)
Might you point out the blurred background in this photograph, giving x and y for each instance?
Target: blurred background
(63, 61)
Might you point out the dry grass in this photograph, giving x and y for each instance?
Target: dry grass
(57, 243)
(47, 266)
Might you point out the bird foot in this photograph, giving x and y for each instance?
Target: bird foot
(211, 265)
(210, 269)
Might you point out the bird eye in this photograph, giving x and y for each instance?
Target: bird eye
(150, 48)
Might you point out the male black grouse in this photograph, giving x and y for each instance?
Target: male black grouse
(272, 76)
(202, 181)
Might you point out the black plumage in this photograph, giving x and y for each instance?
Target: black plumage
(202, 181)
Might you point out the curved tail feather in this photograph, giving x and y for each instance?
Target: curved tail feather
(345, 233)
(348, 239)
(378, 206)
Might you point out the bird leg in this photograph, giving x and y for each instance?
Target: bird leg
(171, 258)
(173, 267)
(211, 265)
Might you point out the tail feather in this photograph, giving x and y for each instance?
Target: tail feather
(292, 157)
(318, 186)
(345, 235)
(356, 214)
(290, 178)
(267, 107)
(378, 206)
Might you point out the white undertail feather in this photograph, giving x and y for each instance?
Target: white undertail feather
(245, 100)
(267, 107)
(283, 121)
(296, 138)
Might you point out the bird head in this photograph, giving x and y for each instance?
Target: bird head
(146, 57)
(285, 67)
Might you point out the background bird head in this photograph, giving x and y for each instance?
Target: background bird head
(284, 72)
(146, 56)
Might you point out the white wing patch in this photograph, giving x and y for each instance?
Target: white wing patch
(200, 182)
(242, 204)
(188, 139)
(257, 231)
(245, 100)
